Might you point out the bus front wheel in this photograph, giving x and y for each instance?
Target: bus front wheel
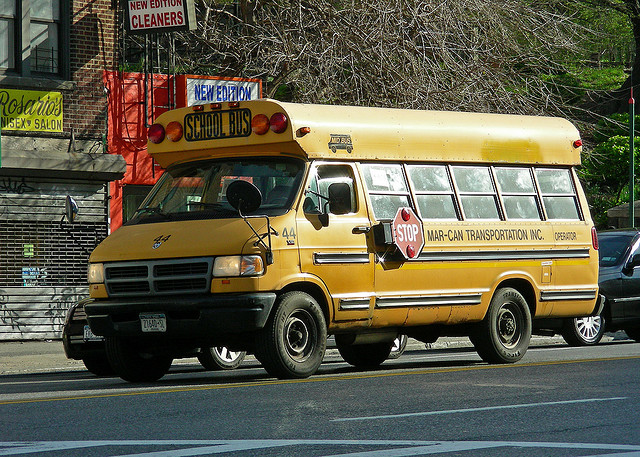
(134, 365)
(293, 342)
(504, 334)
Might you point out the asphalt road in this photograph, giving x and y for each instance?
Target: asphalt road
(558, 401)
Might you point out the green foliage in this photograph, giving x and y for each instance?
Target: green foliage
(607, 78)
(613, 126)
(605, 170)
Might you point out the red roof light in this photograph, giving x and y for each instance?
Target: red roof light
(156, 133)
(279, 122)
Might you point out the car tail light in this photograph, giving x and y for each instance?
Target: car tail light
(594, 238)
(174, 131)
(278, 122)
(156, 133)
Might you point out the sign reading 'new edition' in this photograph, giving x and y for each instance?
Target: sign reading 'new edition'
(145, 16)
(216, 89)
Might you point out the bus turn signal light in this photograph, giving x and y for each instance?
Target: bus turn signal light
(260, 124)
(174, 131)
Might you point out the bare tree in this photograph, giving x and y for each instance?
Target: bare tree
(469, 55)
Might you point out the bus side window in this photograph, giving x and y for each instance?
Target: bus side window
(518, 193)
(477, 194)
(558, 193)
(434, 191)
(387, 189)
(331, 181)
(312, 199)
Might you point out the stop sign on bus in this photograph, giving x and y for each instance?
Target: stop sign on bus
(408, 234)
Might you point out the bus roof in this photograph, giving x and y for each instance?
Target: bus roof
(361, 133)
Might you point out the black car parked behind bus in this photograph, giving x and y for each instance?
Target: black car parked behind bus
(619, 281)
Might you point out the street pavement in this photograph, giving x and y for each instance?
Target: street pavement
(35, 356)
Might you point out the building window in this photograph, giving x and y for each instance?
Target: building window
(45, 30)
(7, 34)
(32, 35)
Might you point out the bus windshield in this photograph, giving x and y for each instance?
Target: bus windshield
(197, 190)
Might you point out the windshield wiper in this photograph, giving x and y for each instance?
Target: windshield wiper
(207, 205)
(154, 210)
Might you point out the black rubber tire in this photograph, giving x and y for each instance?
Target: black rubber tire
(133, 365)
(398, 347)
(369, 355)
(504, 334)
(99, 365)
(583, 331)
(220, 358)
(633, 333)
(293, 342)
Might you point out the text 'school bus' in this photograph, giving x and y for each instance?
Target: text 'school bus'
(276, 224)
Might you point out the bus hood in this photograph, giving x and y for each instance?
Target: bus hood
(178, 239)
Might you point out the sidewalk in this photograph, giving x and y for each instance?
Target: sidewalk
(19, 357)
(35, 356)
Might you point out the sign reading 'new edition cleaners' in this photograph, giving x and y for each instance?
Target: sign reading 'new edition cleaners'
(146, 16)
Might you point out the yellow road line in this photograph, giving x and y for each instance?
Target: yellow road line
(315, 379)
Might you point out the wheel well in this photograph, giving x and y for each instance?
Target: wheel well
(525, 288)
(313, 290)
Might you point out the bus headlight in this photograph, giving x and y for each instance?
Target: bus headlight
(238, 265)
(96, 273)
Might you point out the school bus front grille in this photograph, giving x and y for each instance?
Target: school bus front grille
(158, 277)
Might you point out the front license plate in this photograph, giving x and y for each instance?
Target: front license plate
(88, 335)
(153, 322)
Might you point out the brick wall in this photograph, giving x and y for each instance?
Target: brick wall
(93, 50)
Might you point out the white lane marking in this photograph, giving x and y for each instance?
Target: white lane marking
(473, 410)
(385, 448)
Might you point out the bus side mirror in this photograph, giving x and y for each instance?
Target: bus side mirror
(310, 207)
(244, 196)
(70, 209)
(339, 198)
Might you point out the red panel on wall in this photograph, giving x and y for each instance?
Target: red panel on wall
(127, 129)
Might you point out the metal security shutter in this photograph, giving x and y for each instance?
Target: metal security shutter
(43, 260)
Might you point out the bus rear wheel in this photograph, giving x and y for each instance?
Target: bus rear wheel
(293, 342)
(504, 334)
(364, 355)
(134, 365)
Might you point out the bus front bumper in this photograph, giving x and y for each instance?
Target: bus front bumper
(185, 317)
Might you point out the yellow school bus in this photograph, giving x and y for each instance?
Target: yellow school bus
(278, 224)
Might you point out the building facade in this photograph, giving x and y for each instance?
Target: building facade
(53, 55)
(74, 125)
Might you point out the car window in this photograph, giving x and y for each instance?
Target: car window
(613, 248)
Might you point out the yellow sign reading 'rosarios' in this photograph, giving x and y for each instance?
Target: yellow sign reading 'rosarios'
(30, 110)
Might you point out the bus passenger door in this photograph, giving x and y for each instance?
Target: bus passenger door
(332, 240)
(407, 292)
